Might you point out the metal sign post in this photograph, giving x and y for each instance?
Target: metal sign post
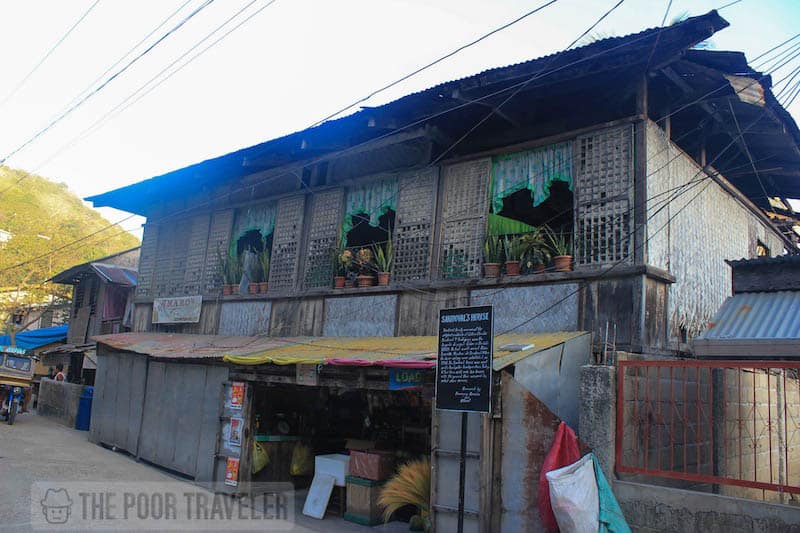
(464, 373)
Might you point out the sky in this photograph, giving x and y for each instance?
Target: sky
(293, 63)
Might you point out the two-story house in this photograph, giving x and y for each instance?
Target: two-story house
(619, 175)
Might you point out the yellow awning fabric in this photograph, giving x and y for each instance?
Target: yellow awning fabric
(388, 351)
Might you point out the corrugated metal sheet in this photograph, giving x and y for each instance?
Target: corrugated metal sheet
(116, 274)
(757, 315)
(351, 351)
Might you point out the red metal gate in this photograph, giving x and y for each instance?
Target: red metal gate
(728, 423)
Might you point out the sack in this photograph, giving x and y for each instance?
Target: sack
(260, 457)
(564, 451)
(302, 460)
(574, 497)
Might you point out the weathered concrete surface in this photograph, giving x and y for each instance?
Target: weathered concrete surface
(362, 316)
(598, 414)
(650, 508)
(59, 400)
(37, 449)
(245, 318)
(513, 304)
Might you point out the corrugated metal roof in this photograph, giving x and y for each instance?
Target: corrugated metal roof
(793, 259)
(757, 315)
(116, 274)
(347, 351)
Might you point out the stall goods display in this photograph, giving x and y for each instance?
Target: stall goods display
(374, 465)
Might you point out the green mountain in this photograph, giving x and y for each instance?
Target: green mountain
(43, 216)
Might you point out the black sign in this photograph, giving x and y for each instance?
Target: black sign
(464, 367)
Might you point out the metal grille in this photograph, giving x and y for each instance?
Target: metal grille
(730, 423)
(196, 254)
(604, 192)
(219, 235)
(413, 226)
(286, 243)
(464, 219)
(172, 248)
(147, 261)
(326, 219)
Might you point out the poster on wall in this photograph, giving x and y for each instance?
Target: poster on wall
(237, 395)
(232, 471)
(179, 310)
(464, 366)
(235, 438)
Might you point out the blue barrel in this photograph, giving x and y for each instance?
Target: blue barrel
(84, 409)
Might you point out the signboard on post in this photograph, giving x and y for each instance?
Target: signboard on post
(464, 365)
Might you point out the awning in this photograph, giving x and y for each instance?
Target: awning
(398, 352)
(753, 325)
(115, 274)
(36, 338)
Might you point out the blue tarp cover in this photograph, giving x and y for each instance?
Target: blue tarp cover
(37, 338)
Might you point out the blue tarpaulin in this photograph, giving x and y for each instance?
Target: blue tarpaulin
(37, 338)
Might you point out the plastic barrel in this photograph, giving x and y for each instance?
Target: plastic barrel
(84, 409)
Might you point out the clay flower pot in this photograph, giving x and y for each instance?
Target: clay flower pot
(349, 283)
(383, 279)
(562, 263)
(491, 270)
(263, 287)
(365, 281)
(512, 268)
(227, 290)
(338, 282)
(539, 268)
(253, 288)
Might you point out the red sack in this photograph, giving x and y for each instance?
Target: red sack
(563, 452)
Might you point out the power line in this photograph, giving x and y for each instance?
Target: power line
(459, 106)
(137, 95)
(80, 102)
(39, 63)
(434, 62)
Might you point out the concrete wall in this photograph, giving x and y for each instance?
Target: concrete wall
(59, 400)
(650, 508)
(598, 413)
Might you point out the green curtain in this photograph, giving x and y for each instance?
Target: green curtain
(535, 170)
(259, 217)
(499, 225)
(373, 199)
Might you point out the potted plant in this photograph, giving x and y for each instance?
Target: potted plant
(512, 248)
(534, 250)
(561, 245)
(383, 260)
(231, 269)
(364, 262)
(343, 262)
(263, 263)
(411, 485)
(492, 256)
(252, 269)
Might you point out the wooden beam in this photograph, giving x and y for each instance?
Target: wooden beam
(640, 175)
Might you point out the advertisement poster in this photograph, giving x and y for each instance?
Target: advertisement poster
(236, 432)
(464, 367)
(180, 310)
(237, 395)
(232, 472)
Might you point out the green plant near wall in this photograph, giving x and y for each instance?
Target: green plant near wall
(263, 263)
(384, 255)
(230, 267)
(559, 242)
(493, 249)
(512, 248)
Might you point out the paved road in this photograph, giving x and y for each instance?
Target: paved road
(36, 448)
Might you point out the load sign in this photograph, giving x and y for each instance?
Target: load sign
(464, 366)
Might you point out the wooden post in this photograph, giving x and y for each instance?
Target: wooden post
(640, 176)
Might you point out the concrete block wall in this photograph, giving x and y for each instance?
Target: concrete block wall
(59, 400)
